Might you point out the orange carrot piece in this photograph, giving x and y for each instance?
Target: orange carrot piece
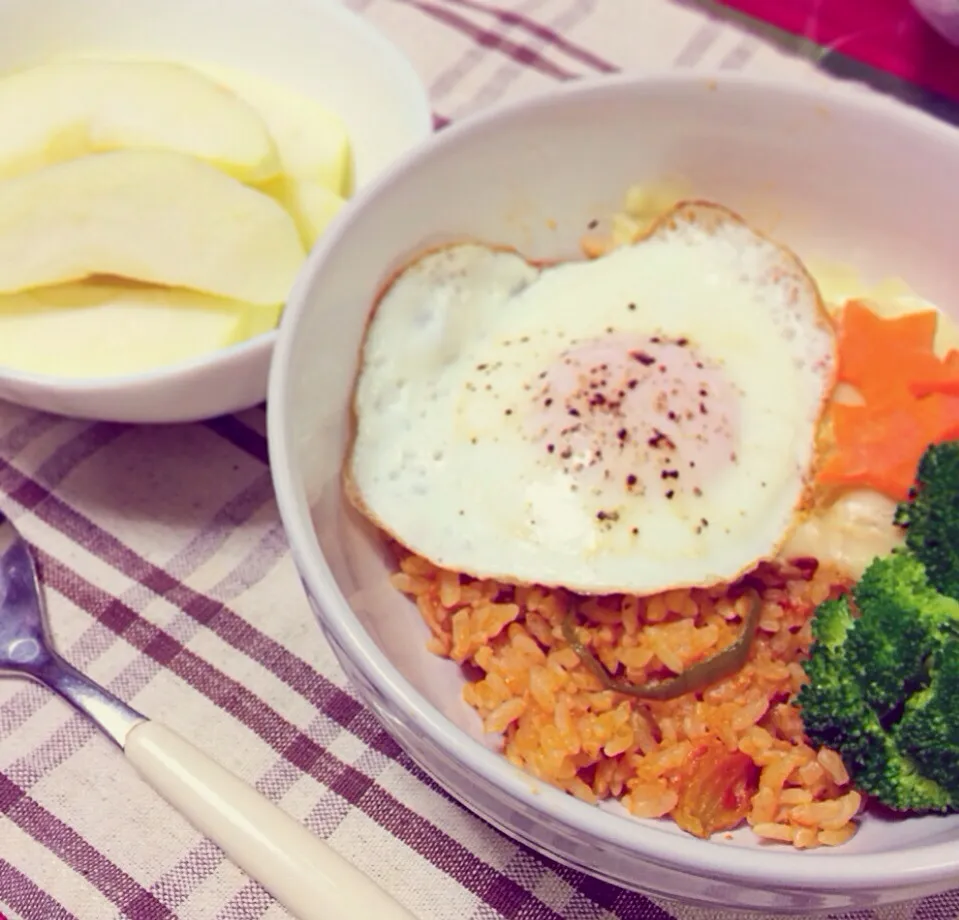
(879, 445)
(945, 379)
(876, 450)
(880, 355)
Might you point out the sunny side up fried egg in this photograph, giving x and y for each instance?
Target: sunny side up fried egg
(642, 421)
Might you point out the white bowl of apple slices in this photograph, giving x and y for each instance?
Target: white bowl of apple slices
(164, 169)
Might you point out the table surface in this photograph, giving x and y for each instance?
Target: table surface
(169, 581)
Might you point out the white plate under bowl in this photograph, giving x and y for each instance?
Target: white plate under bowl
(845, 177)
(315, 47)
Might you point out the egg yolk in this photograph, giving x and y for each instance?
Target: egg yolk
(649, 413)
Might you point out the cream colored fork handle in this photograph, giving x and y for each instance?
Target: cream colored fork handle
(307, 877)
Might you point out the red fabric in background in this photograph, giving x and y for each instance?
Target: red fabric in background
(887, 34)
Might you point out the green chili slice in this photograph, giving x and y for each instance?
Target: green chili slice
(717, 666)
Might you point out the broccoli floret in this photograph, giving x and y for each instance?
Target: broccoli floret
(876, 682)
(931, 516)
(929, 728)
(833, 621)
(833, 709)
(889, 648)
(892, 777)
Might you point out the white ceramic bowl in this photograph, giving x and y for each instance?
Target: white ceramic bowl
(845, 177)
(315, 47)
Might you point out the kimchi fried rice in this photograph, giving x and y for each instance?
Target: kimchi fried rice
(709, 759)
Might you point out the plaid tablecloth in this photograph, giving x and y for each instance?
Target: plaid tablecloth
(170, 582)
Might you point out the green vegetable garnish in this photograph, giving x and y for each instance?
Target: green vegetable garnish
(931, 516)
(717, 666)
(883, 670)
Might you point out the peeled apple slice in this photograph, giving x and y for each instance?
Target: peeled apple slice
(103, 329)
(152, 216)
(311, 140)
(311, 204)
(58, 111)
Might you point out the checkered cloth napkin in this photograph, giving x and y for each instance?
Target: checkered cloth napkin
(169, 581)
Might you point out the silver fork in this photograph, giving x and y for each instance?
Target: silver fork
(301, 871)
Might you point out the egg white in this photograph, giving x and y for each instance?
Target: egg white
(442, 458)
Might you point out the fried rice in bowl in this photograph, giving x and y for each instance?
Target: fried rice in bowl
(652, 725)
